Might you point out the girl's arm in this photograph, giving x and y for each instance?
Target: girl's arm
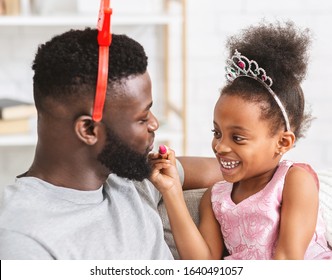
(189, 241)
(299, 212)
(200, 172)
(209, 227)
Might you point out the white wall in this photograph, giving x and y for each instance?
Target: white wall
(209, 24)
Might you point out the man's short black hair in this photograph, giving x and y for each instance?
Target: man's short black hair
(67, 65)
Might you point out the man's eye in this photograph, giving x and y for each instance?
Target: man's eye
(144, 118)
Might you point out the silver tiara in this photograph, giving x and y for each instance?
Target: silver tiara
(240, 66)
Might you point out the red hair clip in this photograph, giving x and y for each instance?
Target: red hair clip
(104, 41)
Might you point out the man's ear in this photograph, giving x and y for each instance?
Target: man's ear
(286, 142)
(87, 130)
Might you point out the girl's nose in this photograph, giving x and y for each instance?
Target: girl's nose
(221, 147)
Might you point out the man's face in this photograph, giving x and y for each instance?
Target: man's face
(130, 130)
(122, 160)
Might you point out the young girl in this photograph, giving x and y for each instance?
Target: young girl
(266, 208)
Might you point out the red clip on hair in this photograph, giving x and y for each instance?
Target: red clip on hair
(104, 41)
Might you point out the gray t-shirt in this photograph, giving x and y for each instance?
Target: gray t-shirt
(120, 221)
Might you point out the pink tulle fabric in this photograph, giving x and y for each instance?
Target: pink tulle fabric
(250, 228)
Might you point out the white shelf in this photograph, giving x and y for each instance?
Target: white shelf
(18, 140)
(79, 20)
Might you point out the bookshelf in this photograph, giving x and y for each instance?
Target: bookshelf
(164, 19)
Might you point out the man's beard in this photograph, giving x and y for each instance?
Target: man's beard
(120, 159)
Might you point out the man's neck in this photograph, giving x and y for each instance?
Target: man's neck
(69, 173)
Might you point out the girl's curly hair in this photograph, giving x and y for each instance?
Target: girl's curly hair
(282, 50)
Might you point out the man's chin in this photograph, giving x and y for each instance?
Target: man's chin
(123, 161)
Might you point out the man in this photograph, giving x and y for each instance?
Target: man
(86, 195)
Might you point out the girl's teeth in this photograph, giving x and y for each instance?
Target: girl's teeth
(229, 164)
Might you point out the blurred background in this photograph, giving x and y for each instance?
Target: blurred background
(185, 43)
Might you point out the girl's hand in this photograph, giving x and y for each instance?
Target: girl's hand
(164, 175)
(189, 241)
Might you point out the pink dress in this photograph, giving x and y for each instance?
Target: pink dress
(250, 228)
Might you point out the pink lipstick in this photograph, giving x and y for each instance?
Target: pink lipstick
(163, 151)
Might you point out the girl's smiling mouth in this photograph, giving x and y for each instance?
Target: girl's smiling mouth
(229, 164)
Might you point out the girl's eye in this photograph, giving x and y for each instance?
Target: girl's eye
(216, 133)
(238, 138)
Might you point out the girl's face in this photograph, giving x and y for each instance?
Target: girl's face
(242, 141)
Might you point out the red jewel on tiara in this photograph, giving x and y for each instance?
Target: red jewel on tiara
(241, 64)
